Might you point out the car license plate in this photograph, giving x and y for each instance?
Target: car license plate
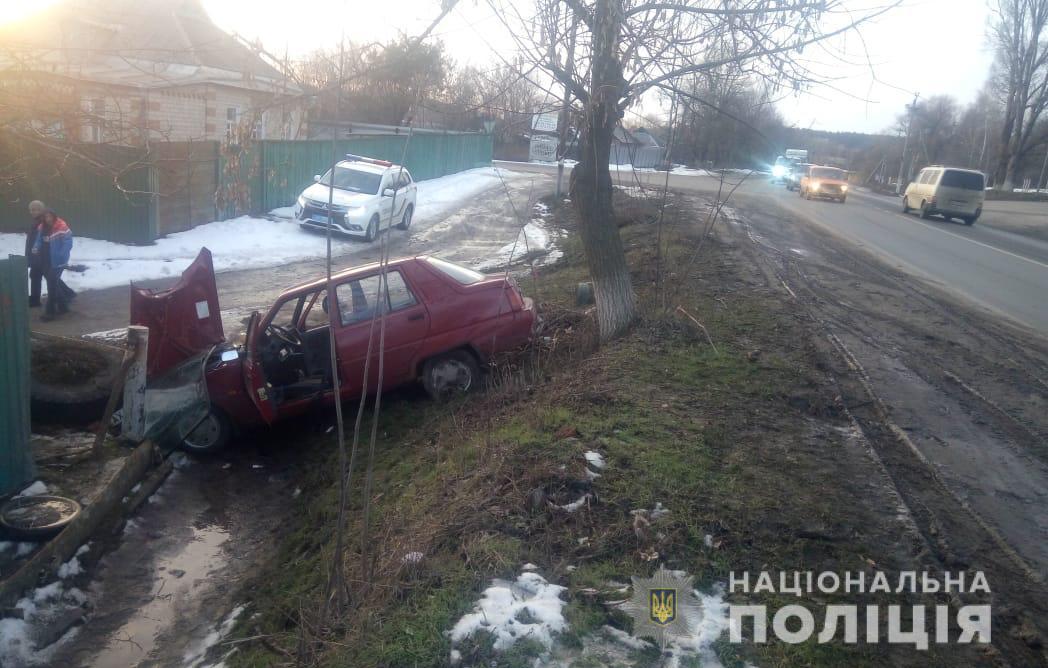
(320, 218)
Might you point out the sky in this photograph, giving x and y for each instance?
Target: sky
(924, 46)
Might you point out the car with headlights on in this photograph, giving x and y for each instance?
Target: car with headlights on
(360, 197)
(821, 182)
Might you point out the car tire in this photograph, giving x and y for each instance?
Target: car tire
(905, 204)
(405, 222)
(450, 374)
(969, 221)
(211, 435)
(843, 200)
(372, 232)
(926, 211)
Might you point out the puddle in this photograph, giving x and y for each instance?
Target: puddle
(149, 595)
(174, 590)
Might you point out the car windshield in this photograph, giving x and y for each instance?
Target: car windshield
(463, 275)
(355, 180)
(963, 180)
(827, 173)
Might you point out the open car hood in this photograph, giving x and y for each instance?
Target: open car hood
(183, 320)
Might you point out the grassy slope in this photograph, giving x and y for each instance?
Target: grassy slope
(743, 444)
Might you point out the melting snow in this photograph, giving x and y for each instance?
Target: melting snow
(530, 607)
(576, 504)
(595, 459)
(194, 658)
(36, 489)
(18, 643)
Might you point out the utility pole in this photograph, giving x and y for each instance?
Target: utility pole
(910, 110)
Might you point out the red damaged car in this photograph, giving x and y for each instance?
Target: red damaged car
(443, 323)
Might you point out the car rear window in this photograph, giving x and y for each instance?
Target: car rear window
(963, 180)
(460, 274)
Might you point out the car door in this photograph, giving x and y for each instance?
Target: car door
(403, 199)
(407, 325)
(254, 377)
(385, 203)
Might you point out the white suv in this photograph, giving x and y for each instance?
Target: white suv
(367, 195)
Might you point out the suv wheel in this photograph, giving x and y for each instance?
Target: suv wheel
(405, 222)
(372, 230)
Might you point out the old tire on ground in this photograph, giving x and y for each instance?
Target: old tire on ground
(70, 379)
(450, 374)
(372, 230)
(405, 222)
(37, 517)
(211, 435)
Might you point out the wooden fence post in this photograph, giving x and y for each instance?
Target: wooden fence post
(134, 423)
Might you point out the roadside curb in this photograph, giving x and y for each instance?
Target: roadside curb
(43, 566)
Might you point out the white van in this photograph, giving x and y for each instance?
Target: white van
(949, 192)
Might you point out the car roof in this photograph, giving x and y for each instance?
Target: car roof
(368, 166)
(955, 169)
(351, 272)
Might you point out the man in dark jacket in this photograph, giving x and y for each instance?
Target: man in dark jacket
(54, 242)
(36, 270)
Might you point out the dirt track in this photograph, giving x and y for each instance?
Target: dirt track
(951, 400)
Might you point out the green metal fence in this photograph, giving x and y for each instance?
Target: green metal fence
(277, 172)
(16, 460)
(96, 188)
(103, 191)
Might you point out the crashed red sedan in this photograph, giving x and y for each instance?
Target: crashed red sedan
(443, 323)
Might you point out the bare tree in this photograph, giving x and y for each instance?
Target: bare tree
(1020, 78)
(625, 48)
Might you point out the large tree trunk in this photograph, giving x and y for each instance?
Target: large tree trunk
(591, 185)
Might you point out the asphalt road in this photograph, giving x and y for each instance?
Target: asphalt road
(994, 268)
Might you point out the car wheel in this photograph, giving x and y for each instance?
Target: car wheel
(969, 221)
(450, 374)
(905, 204)
(372, 230)
(926, 211)
(405, 222)
(211, 435)
(843, 200)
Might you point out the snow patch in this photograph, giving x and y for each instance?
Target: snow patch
(595, 459)
(36, 489)
(194, 658)
(532, 239)
(18, 637)
(530, 608)
(576, 504)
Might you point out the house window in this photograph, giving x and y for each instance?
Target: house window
(232, 121)
(258, 131)
(96, 110)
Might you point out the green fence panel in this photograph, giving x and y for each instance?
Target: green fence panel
(288, 167)
(16, 460)
(101, 191)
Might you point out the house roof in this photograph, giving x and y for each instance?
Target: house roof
(142, 43)
(639, 137)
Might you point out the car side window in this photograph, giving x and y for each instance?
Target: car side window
(317, 315)
(923, 176)
(357, 298)
(400, 295)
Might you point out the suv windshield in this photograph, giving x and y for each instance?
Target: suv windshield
(359, 181)
(963, 180)
(827, 173)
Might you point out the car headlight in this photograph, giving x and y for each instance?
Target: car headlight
(844, 188)
(815, 186)
(778, 171)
